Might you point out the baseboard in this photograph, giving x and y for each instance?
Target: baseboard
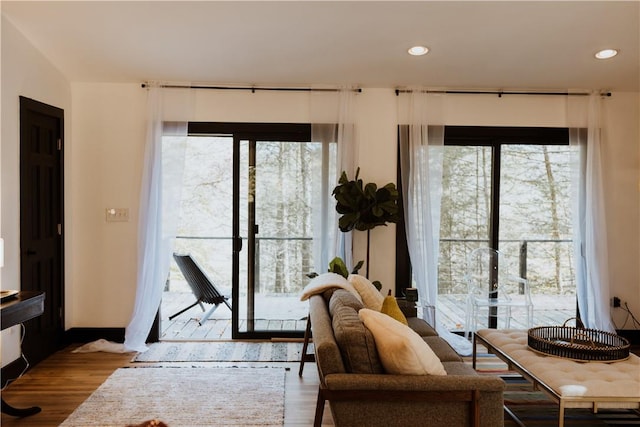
(632, 335)
(85, 335)
(12, 371)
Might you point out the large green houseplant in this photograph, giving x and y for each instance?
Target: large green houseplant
(364, 207)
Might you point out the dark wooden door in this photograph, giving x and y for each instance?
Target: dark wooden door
(41, 223)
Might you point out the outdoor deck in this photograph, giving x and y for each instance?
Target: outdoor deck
(288, 313)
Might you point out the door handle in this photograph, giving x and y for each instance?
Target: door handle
(237, 244)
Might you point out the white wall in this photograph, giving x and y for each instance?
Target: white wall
(621, 158)
(25, 72)
(108, 133)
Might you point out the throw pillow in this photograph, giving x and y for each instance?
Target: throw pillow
(391, 308)
(370, 295)
(401, 350)
(325, 281)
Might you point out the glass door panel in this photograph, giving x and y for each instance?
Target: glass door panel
(536, 225)
(205, 221)
(465, 212)
(276, 210)
(241, 306)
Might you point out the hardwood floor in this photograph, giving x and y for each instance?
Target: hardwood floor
(63, 381)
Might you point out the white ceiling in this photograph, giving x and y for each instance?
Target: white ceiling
(539, 45)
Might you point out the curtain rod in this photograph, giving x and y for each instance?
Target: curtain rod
(500, 93)
(253, 89)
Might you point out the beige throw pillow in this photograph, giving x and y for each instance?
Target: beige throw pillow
(401, 350)
(371, 296)
(325, 281)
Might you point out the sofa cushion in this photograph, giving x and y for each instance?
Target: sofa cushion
(356, 343)
(341, 297)
(400, 349)
(442, 349)
(371, 296)
(459, 368)
(421, 327)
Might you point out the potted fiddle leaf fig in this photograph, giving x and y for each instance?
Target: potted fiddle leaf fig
(364, 207)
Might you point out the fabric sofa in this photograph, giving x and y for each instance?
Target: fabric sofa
(361, 391)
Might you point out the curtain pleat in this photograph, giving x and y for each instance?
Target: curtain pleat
(590, 231)
(421, 157)
(333, 125)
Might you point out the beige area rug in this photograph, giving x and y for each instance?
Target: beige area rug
(221, 351)
(185, 397)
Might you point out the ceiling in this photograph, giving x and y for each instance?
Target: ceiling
(539, 45)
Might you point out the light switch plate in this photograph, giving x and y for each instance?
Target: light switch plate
(117, 214)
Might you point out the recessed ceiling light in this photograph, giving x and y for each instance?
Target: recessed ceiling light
(606, 53)
(418, 50)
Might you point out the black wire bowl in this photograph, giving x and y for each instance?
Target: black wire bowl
(578, 343)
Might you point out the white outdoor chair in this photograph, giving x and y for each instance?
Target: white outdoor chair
(492, 291)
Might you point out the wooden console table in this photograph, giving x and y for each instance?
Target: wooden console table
(25, 305)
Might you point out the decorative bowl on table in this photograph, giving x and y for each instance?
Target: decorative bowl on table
(578, 343)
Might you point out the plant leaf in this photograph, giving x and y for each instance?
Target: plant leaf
(338, 266)
(357, 267)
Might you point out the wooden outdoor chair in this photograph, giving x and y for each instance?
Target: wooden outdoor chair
(203, 289)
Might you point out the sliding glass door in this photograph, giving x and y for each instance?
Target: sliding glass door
(274, 213)
(509, 190)
(246, 217)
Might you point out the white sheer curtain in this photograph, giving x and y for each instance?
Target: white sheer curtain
(421, 156)
(159, 196)
(590, 231)
(333, 125)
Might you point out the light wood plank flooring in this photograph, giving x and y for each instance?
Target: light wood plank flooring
(63, 381)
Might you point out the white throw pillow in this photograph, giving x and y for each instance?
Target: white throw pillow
(371, 296)
(401, 350)
(325, 281)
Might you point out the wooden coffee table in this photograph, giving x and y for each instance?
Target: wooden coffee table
(570, 383)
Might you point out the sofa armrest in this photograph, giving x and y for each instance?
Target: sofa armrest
(408, 308)
(388, 382)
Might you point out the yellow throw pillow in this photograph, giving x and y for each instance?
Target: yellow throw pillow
(371, 296)
(391, 308)
(401, 350)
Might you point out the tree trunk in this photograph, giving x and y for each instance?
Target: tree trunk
(555, 232)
